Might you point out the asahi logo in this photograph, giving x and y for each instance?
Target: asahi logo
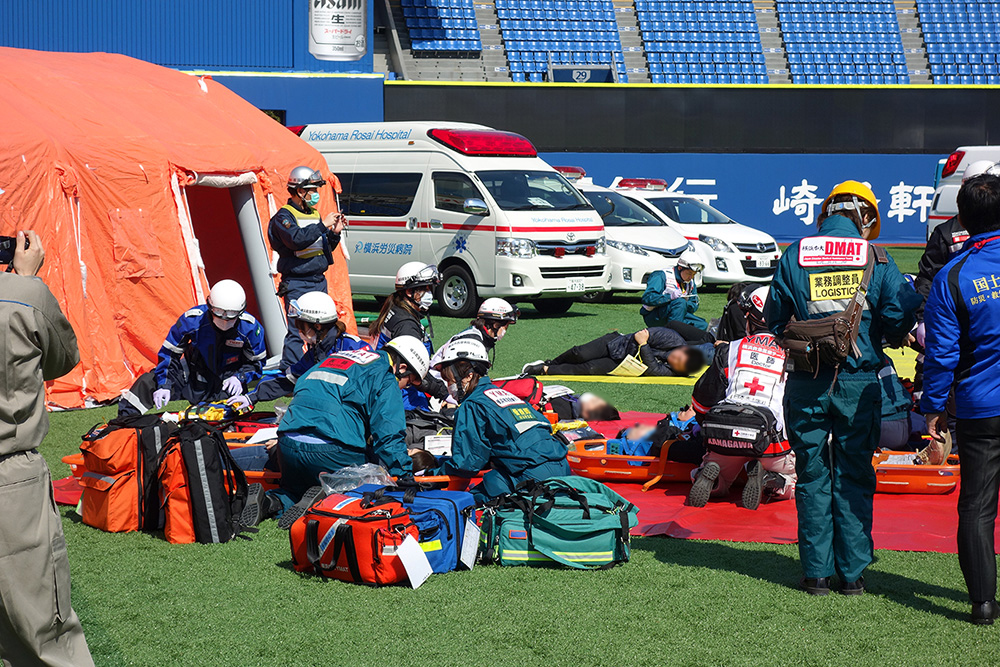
(338, 4)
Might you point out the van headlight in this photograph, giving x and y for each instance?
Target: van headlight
(716, 244)
(601, 246)
(523, 248)
(626, 247)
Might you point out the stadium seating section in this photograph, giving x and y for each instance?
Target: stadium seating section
(563, 32)
(701, 42)
(963, 40)
(841, 42)
(442, 27)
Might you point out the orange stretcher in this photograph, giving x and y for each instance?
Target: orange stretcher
(589, 458)
(893, 477)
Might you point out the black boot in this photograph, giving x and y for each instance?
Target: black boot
(309, 498)
(260, 506)
(704, 484)
(755, 485)
(853, 587)
(819, 586)
(984, 613)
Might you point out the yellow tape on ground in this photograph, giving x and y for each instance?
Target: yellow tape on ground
(689, 382)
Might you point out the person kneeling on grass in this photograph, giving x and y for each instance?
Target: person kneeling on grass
(492, 426)
(346, 411)
(747, 372)
(661, 350)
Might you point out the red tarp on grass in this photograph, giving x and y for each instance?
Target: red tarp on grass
(903, 522)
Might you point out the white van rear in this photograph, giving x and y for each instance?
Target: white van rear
(946, 193)
(477, 202)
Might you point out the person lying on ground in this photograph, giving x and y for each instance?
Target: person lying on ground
(347, 410)
(673, 295)
(662, 351)
(493, 427)
(585, 406)
(749, 372)
(677, 428)
(214, 351)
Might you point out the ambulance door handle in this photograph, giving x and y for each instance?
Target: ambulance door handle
(435, 224)
(411, 223)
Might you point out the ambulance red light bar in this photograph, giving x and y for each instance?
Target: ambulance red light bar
(643, 183)
(951, 164)
(297, 129)
(571, 173)
(484, 143)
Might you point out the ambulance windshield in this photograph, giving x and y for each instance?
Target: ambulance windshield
(689, 211)
(532, 191)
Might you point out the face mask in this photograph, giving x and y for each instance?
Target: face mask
(312, 198)
(426, 300)
(501, 333)
(223, 325)
(453, 390)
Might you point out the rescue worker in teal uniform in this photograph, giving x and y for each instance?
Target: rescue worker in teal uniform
(832, 418)
(347, 410)
(671, 298)
(492, 426)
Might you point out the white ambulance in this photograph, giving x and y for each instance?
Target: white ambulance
(949, 180)
(477, 202)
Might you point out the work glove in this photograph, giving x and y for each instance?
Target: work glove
(241, 403)
(160, 398)
(232, 386)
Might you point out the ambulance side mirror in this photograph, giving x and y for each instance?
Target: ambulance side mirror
(476, 207)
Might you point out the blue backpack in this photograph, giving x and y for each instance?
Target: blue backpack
(440, 517)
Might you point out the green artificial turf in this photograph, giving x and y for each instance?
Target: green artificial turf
(145, 602)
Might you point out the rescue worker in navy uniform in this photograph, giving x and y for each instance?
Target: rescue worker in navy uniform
(214, 352)
(402, 315)
(347, 410)
(315, 315)
(748, 371)
(832, 418)
(492, 426)
(305, 244)
(963, 357)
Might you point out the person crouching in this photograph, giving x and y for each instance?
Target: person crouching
(748, 373)
(492, 426)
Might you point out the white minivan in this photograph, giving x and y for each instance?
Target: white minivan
(638, 242)
(477, 202)
(731, 252)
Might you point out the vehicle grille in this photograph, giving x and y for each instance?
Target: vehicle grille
(669, 254)
(750, 268)
(579, 248)
(756, 247)
(572, 271)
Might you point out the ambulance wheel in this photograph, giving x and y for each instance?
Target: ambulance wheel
(596, 297)
(457, 296)
(553, 306)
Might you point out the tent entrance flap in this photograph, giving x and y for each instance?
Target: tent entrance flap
(225, 219)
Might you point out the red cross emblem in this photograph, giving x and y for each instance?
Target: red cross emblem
(754, 387)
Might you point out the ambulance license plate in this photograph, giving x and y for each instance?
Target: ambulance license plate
(764, 263)
(575, 285)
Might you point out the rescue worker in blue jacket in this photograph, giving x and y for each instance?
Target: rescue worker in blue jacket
(402, 315)
(305, 243)
(832, 417)
(214, 352)
(315, 315)
(962, 317)
(494, 427)
(674, 298)
(347, 410)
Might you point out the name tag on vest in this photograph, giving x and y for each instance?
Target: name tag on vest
(828, 251)
(234, 342)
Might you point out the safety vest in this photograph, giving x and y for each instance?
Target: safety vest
(756, 375)
(315, 249)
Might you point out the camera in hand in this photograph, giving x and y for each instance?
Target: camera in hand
(7, 246)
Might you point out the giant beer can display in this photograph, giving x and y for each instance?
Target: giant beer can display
(338, 29)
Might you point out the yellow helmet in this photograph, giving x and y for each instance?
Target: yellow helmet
(861, 191)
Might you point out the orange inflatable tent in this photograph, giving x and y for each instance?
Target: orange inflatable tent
(146, 185)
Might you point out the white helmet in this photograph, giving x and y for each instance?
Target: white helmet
(689, 260)
(227, 300)
(977, 168)
(413, 352)
(305, 177)
(416, 274)
(464, 349)
(315, 307)
(752, 301)
(498, 309)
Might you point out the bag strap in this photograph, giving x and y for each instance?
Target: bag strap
(876, 254)
(342, 538)
(137, 422)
